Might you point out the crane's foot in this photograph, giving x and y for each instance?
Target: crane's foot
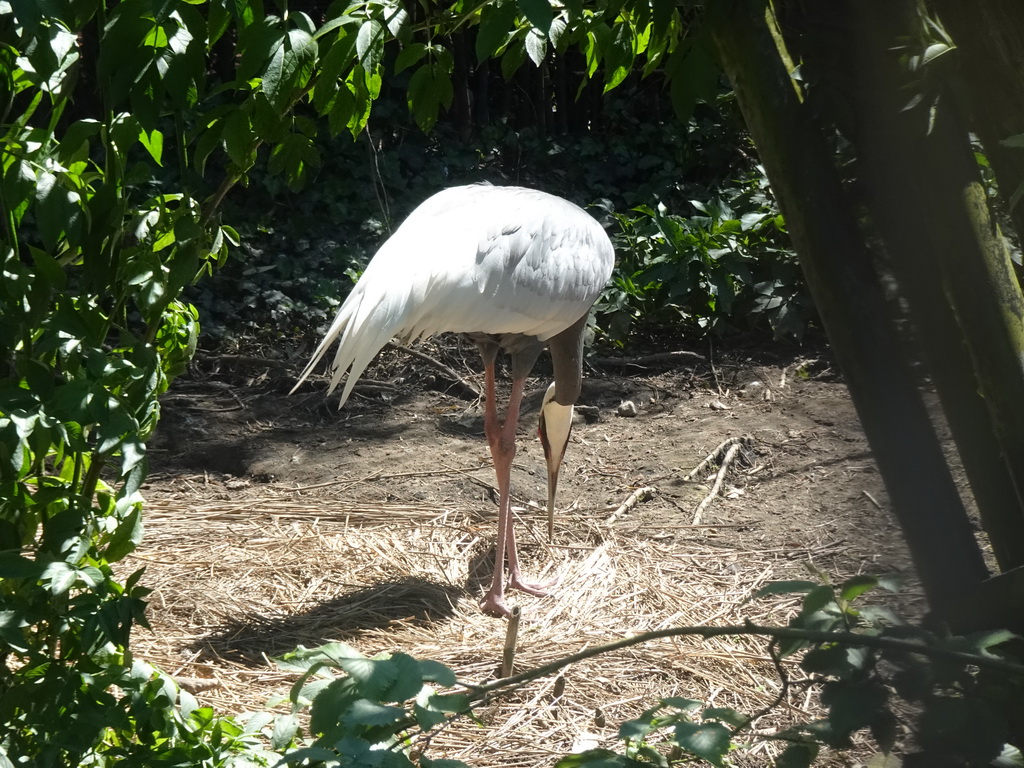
(493, 604)
(535, 588)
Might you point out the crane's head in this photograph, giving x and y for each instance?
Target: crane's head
(554, 428)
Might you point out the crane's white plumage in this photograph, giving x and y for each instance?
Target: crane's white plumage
(473, 259)
(510, 267)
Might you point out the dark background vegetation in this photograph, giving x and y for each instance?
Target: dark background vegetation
(700, 245)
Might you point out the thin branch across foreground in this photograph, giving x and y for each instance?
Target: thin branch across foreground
(776, 633)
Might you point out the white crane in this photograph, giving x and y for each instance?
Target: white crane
(511, 268)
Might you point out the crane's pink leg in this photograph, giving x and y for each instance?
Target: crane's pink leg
(501, 436)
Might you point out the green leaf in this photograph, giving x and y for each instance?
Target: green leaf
(12, 624)
(451, 703)
(335, 23)
(853, 588)
(694, 75)
(29, 13)
(19, 183)
(726, 715)
(497, 22)
(595, 758)
(333, 64)
(539, 14)
(342, 111)
(436, 672)
(124, 132)
(59, 577)
(427, 718)
(557, 34)
(132, 454)
(286, 727)
(302, 21)
(818, 598)
(853, 705)
(366, 712)
(635, 730)
(294, 157)
(429, 88)
(832, 659)
(374, 676)
(619, 57)
(409, 55)
(934, 51)
(661, 14)
(408, 680)
(983, 642)
(300, 55)
(257, 43)
(512, 60)
(56, 207)
(153, 141)
(708, 741)
(686, 705)
(239, 140)
(396, 18)
(289, 69)
(126, 537)
(536, 46)
(15, 566)
(370, 44)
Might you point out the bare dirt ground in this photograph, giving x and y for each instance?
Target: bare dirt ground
(276, 520)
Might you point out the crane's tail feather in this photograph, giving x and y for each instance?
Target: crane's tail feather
(364, 324)
(338, 328)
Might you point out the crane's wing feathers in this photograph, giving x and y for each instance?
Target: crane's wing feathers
(472, 259)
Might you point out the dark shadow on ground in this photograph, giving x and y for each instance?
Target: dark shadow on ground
(249, 639)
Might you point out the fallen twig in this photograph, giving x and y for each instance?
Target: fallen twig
(715, 455)
(872, 499)
(390, 476)
(265, 362)
(658, 357)
(197, 684)
(730, 456)
(723, 455)
(637, 496)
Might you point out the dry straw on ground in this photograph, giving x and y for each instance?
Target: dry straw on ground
(240, 575)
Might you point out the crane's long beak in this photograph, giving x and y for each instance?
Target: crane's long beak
(554, 428)
(552, 486)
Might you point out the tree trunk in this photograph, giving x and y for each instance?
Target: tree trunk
(856, 53)
(990, 38)
(849, 298)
